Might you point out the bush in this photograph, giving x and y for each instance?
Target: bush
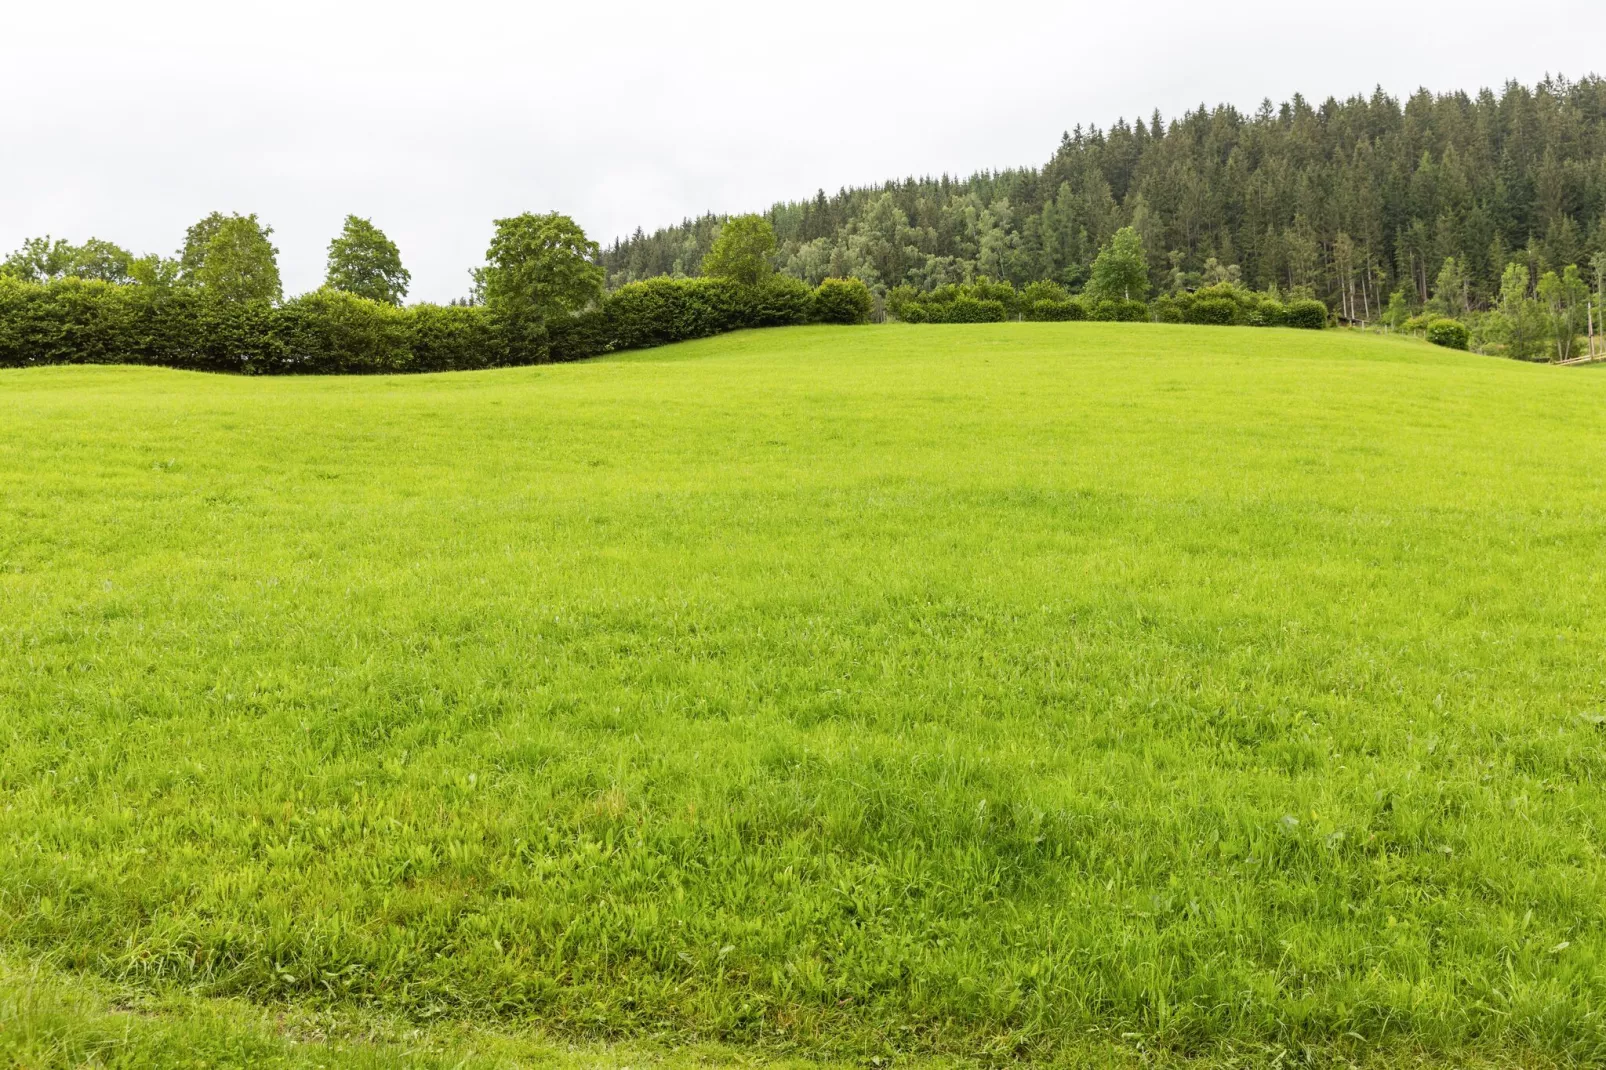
(1451, 334)
(1168, 308)
(982, 301)
(1119, 311)
(1045, 290)
(450, 337)
(1224, 304)
(1306, 313)
(656, 312)
(1267, 311)
(69, 320)
(843, 301)
(330, 331)
(1056, 311)
(904, 302)
(986, 290)
(779, 301)
(972, 310)
(1214, 310)
(577, 337)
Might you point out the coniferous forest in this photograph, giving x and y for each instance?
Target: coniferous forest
(1348, 201)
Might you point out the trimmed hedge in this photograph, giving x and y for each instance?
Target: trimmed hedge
(972, 310)
(1119, 311)
(329, 331)
(73, 321)
(1229, 305)
(1056, 311)
(1224, 304)
(982, 301)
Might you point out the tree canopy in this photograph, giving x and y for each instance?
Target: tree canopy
(1121, 270)
(43, 259)
(363, 261)
(540, 266)
(741, 251)
(238, 261)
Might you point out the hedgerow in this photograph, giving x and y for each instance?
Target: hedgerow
(74, 321)
(1224, 304)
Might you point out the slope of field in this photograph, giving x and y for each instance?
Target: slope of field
(846, 692)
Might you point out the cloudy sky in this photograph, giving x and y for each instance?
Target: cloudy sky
(130, 121)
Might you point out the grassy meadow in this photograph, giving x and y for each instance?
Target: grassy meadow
(1042, 692)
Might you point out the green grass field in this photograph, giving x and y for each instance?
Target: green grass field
(1048, 692)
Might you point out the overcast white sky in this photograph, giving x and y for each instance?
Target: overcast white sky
(128, 121)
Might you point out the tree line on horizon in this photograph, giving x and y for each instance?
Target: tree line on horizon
(539, 297)
(1479, 222)
(1359, 203)
(230, 256)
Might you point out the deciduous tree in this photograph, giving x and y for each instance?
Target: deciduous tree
(539, 266)
(1517, 320)
(43, 259)
(1121, 270)
(1563, 297)
(240, 262)
(363, 261)
(742, 251)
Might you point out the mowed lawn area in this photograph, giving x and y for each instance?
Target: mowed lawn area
(1002, 692)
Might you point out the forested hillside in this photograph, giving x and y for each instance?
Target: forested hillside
(1351, 200)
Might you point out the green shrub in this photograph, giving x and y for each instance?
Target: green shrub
(1044, 290)
(986, 290)
(1056, 311)
(331, 331)
(75, 321)
(1306, 313)
(70, 321)
(1227, 303)
(902, 300)
(972, 310)
(1119, 311)
(65, 321)
(981, 301)
(577, 337)
(451, 337)
(1168, 308)
(1267, 311)
(656, 312)
(1451, 334)
(1216, 310)
(779, 301)
(843, 301)
(235, 336)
